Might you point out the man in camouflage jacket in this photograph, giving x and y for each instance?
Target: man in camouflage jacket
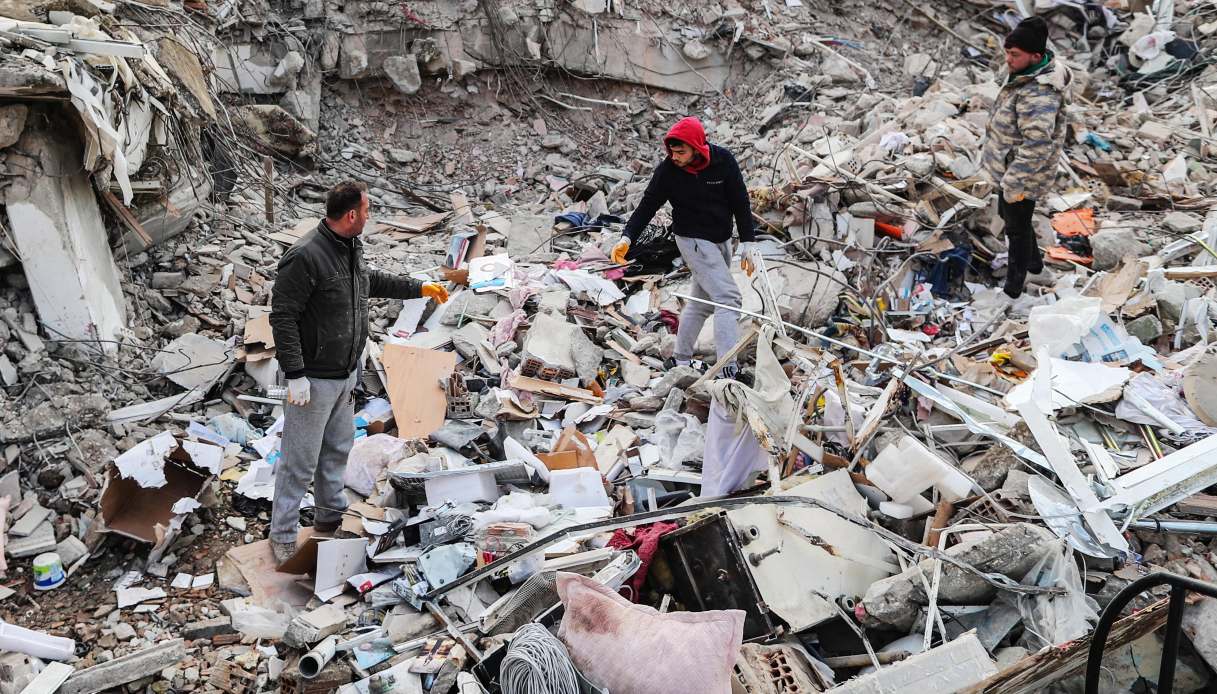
(1024, 140)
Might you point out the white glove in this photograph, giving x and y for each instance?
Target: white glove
(298, 391)
(749, 252)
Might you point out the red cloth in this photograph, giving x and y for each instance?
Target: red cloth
(690, 131)
(669, 319)
(644, 541)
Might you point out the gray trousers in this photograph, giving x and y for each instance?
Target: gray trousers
(710, 264)
(316, 441)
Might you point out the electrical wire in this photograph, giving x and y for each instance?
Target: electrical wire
(537, 663)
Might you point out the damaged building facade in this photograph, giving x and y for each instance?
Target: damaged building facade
(914, 482)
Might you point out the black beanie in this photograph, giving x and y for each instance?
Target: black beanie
(1031, 35)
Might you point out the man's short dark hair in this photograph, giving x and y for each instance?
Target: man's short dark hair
(343, 198)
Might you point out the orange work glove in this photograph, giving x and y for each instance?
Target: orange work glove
(435, 290)
(619, 251)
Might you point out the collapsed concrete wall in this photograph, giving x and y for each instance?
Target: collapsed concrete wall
(59, 233)
(450, 40)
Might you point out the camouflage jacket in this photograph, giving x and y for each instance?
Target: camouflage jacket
(1026, 132)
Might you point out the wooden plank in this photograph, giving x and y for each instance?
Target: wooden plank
(1190, 272)
(536, 385)
(300, 228)
(1197, 505)
(415, 392)
(126, 217)
(625, 353)
(1040, 669)
(415, 225)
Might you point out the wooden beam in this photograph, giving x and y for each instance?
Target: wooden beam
(126, 217)
(729, 357)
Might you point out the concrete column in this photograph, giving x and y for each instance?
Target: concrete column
(59, 233)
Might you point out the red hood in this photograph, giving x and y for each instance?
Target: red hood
(690, 131)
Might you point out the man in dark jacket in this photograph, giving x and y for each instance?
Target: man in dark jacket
(319, 316)
(706, 189)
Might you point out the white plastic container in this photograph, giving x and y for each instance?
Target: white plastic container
(459, 486)
(35, 643)
(906, 469)
(48, 571)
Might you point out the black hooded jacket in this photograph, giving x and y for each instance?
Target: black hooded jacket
(319, 307)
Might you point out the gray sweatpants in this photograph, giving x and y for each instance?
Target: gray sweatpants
(710, 264)
(316, 441)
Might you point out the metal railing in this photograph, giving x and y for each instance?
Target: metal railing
(1180, 587)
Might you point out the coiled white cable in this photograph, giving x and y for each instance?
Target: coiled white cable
(537, 663)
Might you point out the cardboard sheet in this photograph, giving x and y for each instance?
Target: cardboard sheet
(418, 399)
(268, 587)
(259, 340)
(143, 493)
(134, 511)
(536, 385)
(329, 562)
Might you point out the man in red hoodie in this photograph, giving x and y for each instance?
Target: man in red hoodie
(708, 195)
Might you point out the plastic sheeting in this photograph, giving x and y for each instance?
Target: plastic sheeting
(368, 458)
(732, 454)
(680, 438)
(1059, 326)
(1148, 398)
(1050, 619)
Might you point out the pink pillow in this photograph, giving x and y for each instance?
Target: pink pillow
(633, 649)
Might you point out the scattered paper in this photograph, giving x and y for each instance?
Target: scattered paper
(134, 596)
(186, 504)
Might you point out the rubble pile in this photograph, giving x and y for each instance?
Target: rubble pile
(914, 481)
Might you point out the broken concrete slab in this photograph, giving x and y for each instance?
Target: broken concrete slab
(893, 603)
(26, 524)
(194, 361)
(1111, 246)
(951, 667)
(246, 68)
(59, 232)
(310, 627)
(182, 64)
(70, 550)
(12, 123)
(124, 669)
(208, 628)
(639, 55)
(41, 539)
(402, 71)
(277, 130)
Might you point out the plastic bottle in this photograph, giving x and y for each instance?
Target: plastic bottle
(35, 643)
